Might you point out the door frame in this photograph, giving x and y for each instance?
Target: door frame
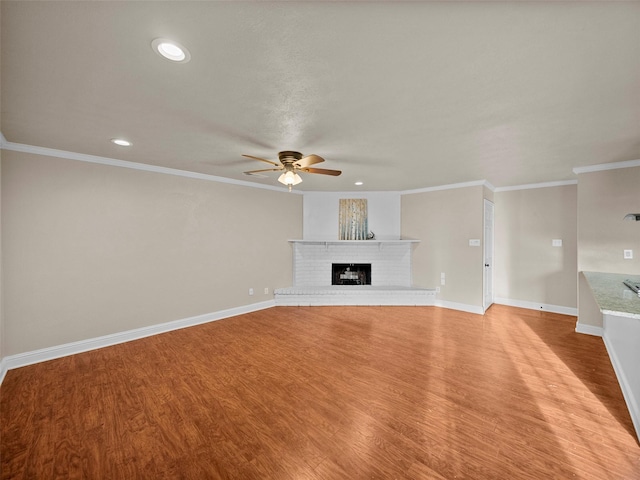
(488, 260)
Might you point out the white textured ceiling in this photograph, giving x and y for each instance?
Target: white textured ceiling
(399, 95)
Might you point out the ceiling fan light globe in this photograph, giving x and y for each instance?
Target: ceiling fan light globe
(290, 178)
(284, 180)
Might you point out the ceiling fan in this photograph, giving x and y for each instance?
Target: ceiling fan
(290, 164)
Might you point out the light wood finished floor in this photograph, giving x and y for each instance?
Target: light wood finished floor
(328, 393)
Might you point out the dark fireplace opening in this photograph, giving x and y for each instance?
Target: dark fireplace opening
(350, 274)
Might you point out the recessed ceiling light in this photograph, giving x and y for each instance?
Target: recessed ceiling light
(121, 141)
(171, 50)
(358, 183)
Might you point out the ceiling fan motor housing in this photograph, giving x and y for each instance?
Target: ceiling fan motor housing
(289, 157)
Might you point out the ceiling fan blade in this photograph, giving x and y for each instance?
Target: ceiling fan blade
(309, 160)
(262, 160)
(251, 172)
(322, 171)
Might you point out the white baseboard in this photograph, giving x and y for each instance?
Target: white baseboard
(28, 358)
(3, 370)
(463, 307)
(625, 386)
(543, 307)
(589, 329)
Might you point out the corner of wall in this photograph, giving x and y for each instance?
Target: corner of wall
(3, 369)
(589, 314)
(458, 215)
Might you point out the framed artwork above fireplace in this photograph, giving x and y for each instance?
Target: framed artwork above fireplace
(353, 219)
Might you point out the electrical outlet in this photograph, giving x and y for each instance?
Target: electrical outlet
(266, 290)
(437, 289)
(628, 254)
(442, 278)
(251, 291)
(556, 242)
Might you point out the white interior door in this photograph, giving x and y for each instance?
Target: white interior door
(487, 283)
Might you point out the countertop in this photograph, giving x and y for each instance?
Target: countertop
(612, 296)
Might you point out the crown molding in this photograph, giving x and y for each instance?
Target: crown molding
(489, 186)
(451, 186)
(606, 166)
(353, 193)
(82, 157)
(536, 185)
(52, 152)
(113, 162)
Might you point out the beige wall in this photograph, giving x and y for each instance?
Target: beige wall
(527, 267)
(90, 249)
(444, 221)
(2, 349)
(604, 198)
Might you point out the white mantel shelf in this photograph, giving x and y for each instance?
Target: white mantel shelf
(342, 242)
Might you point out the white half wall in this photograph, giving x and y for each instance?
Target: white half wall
(621, 337)
(321, 210)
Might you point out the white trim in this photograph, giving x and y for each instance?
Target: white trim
(324, 241)
(355, 300)
(452, 186)
(485, 261)
(311, 296)
(537, 185)
(489, 186)
(589, 329)
(463, 307)
(3, 370)
(52, 152)
(627, 391)
(58, 351)
(606, 166)
(542, 307)
(113, 162)
(353, 193)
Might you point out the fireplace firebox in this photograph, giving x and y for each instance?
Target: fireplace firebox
(350, 274)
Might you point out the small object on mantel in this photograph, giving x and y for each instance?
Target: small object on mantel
(371, 236)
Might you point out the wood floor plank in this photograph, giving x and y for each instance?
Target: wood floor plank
(328, 393)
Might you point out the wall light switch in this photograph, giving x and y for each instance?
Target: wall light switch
(442, 279)
(628, 254)
(474, 242)
(556, 242)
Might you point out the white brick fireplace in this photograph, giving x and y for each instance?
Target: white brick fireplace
(390, 260)
(390, 274)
